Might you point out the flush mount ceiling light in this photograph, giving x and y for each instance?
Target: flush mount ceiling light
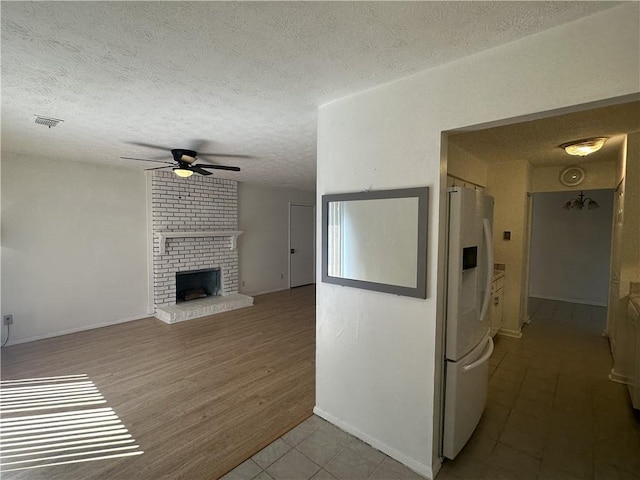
(584, 147)
(182, 172)
(580, 202)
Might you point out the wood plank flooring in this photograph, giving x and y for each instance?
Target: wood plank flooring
(199, 397)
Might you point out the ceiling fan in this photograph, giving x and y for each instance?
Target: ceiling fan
(184, 160)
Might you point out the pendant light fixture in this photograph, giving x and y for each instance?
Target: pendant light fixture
(580, 202)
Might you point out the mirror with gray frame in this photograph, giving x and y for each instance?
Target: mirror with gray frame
(376, 240)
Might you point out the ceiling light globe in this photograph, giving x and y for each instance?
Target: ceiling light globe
(183, 172)
(582, 148)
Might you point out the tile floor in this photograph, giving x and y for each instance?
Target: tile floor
(317, 450)
(551, 414)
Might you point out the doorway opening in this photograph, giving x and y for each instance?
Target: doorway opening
(546, 368)
(302, 240)
(571, 248)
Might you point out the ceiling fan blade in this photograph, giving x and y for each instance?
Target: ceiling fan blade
(146, 160)
(157, 168)
(229, 155)
(148, 145)
(201, 171)
(218, 167)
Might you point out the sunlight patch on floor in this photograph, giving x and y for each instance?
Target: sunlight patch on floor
(78, 429)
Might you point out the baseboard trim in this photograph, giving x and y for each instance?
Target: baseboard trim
(569, 300)
(505, 332)
(411, 463)
(265, 292)
(619, 378)
(75, 330)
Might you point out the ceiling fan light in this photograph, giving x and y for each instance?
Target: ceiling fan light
(183, 172)
(584, 147)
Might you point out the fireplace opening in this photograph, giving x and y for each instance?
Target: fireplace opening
(197, 284)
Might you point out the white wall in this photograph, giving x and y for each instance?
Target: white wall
(263, 216)
(464, 166)
(508, 183)
(571, 249)
(74, 245)
(378, 356)
(598, 175)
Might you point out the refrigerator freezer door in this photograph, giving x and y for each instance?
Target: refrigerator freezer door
(470, 253)
(466, 396)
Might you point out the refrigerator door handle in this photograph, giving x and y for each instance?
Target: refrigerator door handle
(485, 356)
(488, 241)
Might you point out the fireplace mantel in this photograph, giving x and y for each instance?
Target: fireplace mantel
(232, 234)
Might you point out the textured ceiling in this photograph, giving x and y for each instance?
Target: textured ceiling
(538, 141)
(245, 77)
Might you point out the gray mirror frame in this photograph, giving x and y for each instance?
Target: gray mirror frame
(422, 194)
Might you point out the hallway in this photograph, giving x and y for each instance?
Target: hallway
(552, 412)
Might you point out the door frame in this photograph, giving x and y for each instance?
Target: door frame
(525, 318)
(296, 204)
(614, 261)
(441, 239)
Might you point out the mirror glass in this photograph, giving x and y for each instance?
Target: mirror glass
(362, 247)
(376, 240)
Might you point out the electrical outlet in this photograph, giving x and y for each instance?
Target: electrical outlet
(282, 276)
(7, 319)
(243, 283)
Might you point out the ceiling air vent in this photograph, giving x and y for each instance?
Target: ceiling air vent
(49, 122)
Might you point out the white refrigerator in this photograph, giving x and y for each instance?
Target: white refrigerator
(468, 344)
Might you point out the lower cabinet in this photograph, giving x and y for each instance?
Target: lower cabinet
(496, 305)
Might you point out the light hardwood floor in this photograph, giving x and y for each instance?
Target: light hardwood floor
(199, 397)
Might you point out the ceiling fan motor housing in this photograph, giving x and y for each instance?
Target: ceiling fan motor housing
(179, 155)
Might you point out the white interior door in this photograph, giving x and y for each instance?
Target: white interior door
(301, 245)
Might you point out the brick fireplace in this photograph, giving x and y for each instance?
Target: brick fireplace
(194, 229)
